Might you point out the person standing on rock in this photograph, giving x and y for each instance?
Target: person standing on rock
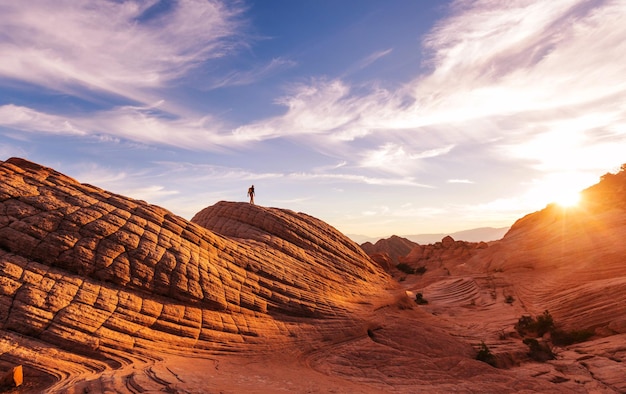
(251, 194)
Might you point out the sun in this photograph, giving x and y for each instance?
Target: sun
(567, 199)
(559, 189)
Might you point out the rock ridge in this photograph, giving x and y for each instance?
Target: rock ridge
(84, 268)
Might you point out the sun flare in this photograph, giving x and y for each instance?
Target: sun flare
(567, 199)
(562, 189)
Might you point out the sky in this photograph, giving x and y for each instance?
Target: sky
(377, 117)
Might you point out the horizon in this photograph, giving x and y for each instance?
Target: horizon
(397, 118)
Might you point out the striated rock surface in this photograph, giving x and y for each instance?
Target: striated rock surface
(103, 293)
(87, 270)
(569, 261)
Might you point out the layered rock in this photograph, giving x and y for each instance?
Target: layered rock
(102, 293)
(91, 271)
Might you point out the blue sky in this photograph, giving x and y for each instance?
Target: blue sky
(378, 117)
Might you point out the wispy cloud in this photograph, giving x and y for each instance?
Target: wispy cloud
(395, 158)
(359, 179)
(239, 78)
(146, 125)
(501, 72)
(114, 47)
(27, 119)
(373, 58)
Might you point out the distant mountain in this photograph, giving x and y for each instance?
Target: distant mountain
(473, 235)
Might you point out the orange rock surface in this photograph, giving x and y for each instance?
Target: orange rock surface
(103, 293)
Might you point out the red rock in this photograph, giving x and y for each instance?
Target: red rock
(12, 378)
(110, 294)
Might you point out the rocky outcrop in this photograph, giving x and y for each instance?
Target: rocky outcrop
(95, 272)
(447, 251)
(387, 252)
(13, 378)
(394, 247)
(103, 293)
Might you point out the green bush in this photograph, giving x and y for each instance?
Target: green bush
(485, 355)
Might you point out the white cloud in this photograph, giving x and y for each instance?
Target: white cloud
(374, 57)
(204, 172)
(502, 73)
(511, 78)
(394, 158)
(26, 119)
(239, 78)
(146, 125)
(111, 46)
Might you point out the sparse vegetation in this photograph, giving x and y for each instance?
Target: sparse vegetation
(509, 299)
(420, 300)
(545, 323)
(485, 355)
(530, 328)
(539, 351)
(420, 270)
(407, 269)
(565, 338)
(527, 325)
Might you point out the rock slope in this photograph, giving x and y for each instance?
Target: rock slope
(103, 293)
(93, 272)
(569, 261)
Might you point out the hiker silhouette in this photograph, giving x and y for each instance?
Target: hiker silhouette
(251, 194)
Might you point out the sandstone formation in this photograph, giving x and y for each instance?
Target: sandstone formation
(103, 293)
(13, 378)
(91, 271)
(394, 247)
(569, 261)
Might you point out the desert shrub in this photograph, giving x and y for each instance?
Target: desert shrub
(407, 269)
(509, 299)
(527, 325)
(565, 338)
(539, 351)
(545, 323)
(485, 355)
(420, 270)
(420, 300)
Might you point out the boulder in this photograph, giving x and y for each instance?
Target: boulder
(12, 378)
